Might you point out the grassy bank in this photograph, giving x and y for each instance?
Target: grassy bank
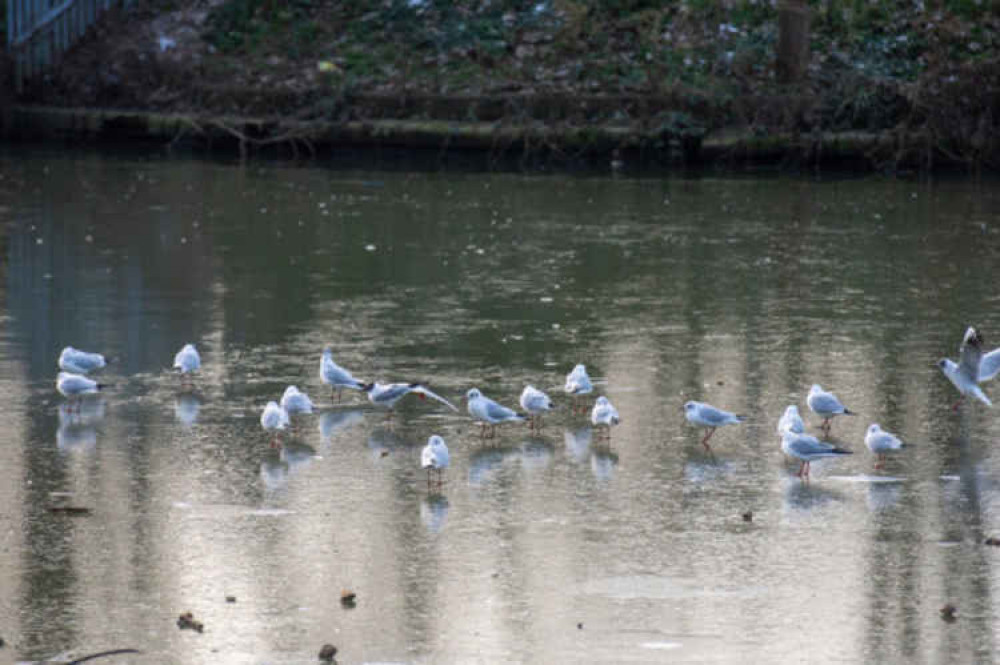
(925, 72)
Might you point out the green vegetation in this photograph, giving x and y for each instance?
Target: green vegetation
(930, 68)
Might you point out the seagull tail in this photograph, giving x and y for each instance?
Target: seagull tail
(981, 396)
(741, 417)
(848, 412)
(842, 451)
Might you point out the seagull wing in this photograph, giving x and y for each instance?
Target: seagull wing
(424, 391)
(970, 354)
(989, 365)
(496, 411)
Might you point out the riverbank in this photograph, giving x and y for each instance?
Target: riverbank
(562, 81)
(497, 145)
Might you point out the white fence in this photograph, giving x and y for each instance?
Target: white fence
(39, 31)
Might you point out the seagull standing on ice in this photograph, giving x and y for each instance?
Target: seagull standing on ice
(578, 383)
(336, 376)
(791, 421)
(434, 457)
(296, 401)
(80, 362)
(880, 443)
(387, 394)
(74, 386)
(535, 403)
(186, 361)
(488, 412)
(973, 367)
(604, 413)
(826, 405)
(806, 448)
(274, 419)
(706, 415)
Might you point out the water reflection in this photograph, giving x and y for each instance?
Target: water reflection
(669, 288)
(331, 423)
(603, 463)
(186, 407)
(434, 512)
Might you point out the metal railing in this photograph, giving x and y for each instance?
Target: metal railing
(39, 31)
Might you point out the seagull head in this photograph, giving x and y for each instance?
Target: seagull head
(435, 441)
(815, 389)
(602, 400)
(690, 406)
(473, 394)
(942, 364)
(873, 429)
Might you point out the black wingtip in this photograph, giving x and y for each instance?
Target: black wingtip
(848, 412)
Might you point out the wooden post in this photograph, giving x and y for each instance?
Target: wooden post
(793, 40)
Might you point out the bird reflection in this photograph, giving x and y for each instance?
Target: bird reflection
(603, 463)
(331, 422)
(78, 425)
(434, 512)
(536, 454)
(76, 437)
(578, 443)
(805, 496)
(486, 461)
(296, 455)
(88, 412)
(274, 473)
(186, 407)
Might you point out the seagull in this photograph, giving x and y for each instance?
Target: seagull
(973, 367)
(791, 421)
(387, 394)
(274, 419)
(881, 442)
(73, 386)
(488, 412)
(187, 360)
(80, 362)
(578, 383)
(706, 415)
(335, 375)
(604, 413)
(535, 403)
(296, 401)
(826, 405)
(807, 448)
(434, 457)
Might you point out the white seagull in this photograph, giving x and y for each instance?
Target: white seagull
(387, 394)
(973, 367)
(880, 443)
(806, 448)
(826, 405)
(706, 415)
(336, 376)
(187, 360)
(578, 383)
(296, 401)
(791, 421)
(604, 413)
(488, 412)
(434, 457)
(535, 403)
(80, 362)
(74, 386)
(274, 419)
